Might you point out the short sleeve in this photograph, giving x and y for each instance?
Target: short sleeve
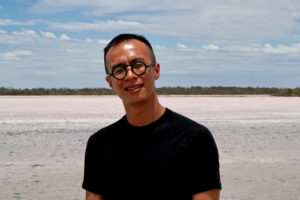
(92, 167)
(203, 162)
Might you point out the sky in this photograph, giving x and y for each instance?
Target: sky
(59, 43)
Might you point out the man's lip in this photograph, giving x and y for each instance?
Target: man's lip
(133, 87)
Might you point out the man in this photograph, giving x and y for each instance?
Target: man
(152, 152)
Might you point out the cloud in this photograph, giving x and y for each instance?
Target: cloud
(211, 47)
(18, 40)
(89, 40)
(15, 55)
(159, 47)
(42, 61)
(37, 72)
(181, 46)
(64, 37)
(215, 21)
(48, 35)
(265, 48)
(195, 39)
(232, 60)
(282, 49)
(70, 64)
(103, 41)
(9, 22)
(95, 26)
(94, 7)
(30, 33)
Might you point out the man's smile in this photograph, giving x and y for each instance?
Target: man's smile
(134, 88)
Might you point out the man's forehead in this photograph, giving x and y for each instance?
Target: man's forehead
(127, 46)
(130, 44)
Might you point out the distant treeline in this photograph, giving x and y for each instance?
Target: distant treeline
(161, 91)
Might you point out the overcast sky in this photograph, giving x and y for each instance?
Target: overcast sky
(59, 43)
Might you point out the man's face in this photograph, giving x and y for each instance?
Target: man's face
(132, 89)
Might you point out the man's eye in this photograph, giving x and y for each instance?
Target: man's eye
(119, 70)
(138, 65)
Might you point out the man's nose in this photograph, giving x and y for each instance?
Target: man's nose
(130, 73)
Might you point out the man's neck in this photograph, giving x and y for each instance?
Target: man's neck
(144, 113)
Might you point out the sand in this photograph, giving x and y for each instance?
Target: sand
(43, 139)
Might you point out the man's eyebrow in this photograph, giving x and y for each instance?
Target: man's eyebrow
(137, 59)
(132, 61)
(116, 65)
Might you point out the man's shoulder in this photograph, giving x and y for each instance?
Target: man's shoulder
(104, 133)
(180, 121)
(188, 133)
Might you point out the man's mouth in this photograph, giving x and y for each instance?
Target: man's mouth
(133, 88)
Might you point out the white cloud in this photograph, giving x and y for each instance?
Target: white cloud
(265, 48)
(82, 60)
(181, 46)
(95, 7)
(9, 22)
(89, 40)
(282, 49)
(38, 72)
(48, 35)
(56, 63)
(212, 21)
(96, 26)
(25, 32)
(211, 47)
(15, 55)
(64, 37)
(104, 42)
(20, 39)
(159, 47)
(52, 6)
(38, 42)
(239, 37)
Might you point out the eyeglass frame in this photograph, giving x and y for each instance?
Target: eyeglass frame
(126, 71)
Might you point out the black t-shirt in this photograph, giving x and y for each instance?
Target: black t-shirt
(171, 158)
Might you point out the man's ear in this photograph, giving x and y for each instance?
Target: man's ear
(107, 78)
(157, 70)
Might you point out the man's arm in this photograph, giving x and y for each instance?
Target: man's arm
(92, 196)
(207, 195)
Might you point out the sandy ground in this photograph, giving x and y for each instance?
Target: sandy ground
(43, 139)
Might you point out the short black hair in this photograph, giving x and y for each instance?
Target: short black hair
(124, 37)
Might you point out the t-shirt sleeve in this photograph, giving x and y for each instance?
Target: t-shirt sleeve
(203, 162)
(92, 167)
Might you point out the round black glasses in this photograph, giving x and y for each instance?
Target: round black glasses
(139, 68)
